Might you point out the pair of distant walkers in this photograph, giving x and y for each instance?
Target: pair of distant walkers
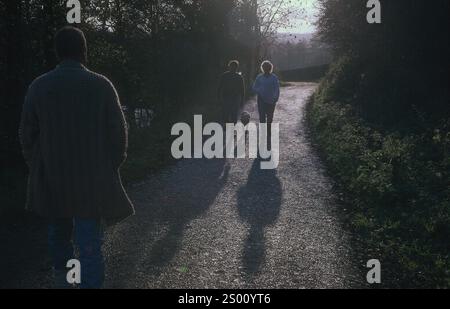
(231, 92)
(74, 140)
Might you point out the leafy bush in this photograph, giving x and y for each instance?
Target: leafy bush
(398, 184)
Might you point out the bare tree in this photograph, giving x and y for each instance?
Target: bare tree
(274, 15)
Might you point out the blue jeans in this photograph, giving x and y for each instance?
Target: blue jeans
(266, 112)
(88, 239)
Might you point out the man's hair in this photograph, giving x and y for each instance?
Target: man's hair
(70, 43)
(233, 63)
(267, 63)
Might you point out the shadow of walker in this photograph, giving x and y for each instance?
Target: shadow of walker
(196, 191)
(259, 203)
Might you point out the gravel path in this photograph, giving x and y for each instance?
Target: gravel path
(229, 224)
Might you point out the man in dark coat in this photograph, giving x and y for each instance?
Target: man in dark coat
(74, 139)
(231, 92)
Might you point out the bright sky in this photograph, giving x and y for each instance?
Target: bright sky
(301, 24)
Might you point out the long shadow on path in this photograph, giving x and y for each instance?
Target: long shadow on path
(259, 203)
(191, 196)
(165, 208)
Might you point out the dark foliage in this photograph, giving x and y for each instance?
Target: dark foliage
(381, 118)
(160, 54)
(399, 68)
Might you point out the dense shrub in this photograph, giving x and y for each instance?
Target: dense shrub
(382, 120)
(398, 184)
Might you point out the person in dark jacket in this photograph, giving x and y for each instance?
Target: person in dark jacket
(231, 92)
(74, 139)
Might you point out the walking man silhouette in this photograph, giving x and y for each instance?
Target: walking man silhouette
(74, 139)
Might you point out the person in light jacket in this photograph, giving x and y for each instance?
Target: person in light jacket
(74, 139)
(267, 88)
